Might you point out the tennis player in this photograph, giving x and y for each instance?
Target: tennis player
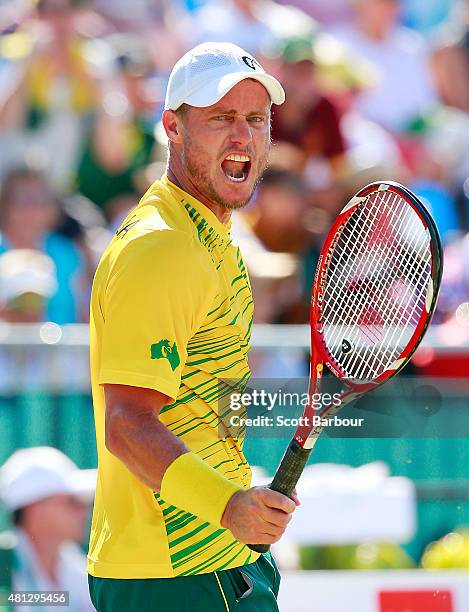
(171, 316)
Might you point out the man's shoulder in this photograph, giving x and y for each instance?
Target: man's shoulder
(159, 208)
(148, 244)
(157, 234)
(156, 245)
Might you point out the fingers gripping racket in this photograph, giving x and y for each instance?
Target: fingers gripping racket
(373, 297)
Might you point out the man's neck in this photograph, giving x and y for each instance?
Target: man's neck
(223, 214)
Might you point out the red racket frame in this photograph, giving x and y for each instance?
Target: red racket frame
(319, 353)
(299, 449)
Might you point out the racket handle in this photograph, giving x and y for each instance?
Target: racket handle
(286, 477)
(290, 469)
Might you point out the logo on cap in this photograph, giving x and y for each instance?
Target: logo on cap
(251, 62)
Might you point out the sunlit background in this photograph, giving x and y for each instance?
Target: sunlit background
(376, 89)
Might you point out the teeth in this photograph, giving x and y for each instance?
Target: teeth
(238, 158)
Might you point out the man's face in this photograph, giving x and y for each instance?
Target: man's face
(225, 146)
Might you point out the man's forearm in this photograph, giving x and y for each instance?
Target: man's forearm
(143, 443)
(163, 462)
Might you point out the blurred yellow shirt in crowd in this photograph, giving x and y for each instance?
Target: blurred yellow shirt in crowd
(171, 310)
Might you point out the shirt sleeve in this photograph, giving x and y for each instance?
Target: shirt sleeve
(158, 294)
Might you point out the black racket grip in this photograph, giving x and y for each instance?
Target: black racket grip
(286, 477)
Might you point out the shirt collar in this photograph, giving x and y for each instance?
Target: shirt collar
(205, 212)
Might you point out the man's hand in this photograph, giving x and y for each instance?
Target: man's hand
(258, 515)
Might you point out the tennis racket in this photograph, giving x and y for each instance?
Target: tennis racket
(373, 296)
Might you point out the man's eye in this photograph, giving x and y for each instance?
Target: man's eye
(221, 118)
(256, 119)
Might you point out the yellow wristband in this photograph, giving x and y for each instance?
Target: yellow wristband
(192, 485)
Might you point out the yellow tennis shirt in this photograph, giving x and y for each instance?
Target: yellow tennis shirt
(171, 310)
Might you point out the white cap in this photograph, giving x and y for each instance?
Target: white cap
(26, 271)
(32, 474)
(207, 72)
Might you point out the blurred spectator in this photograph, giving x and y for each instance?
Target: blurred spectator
(28, 213)
(307, 119)
(48, 95)
(121, 137)
(278, 217)
(425, 16)
(27, 281)
(255, 25)
(235, 21)
(332, 11)
(193, 5)
(442, 205)
(12, 12)
(125, 13)
(273, 237)
(451, 59)
(48, 496)
(405, 90)
(157, 23)
(117, 210)
(135, 15)
(455, 282)
(372, 152)
(449, 552)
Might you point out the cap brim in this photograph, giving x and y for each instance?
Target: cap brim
(80, 484)
(215, 90)
(83, 484)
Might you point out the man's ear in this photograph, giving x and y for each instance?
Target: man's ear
(172, 124)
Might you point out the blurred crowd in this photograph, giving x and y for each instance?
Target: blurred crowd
(48, 497)
(376, 89)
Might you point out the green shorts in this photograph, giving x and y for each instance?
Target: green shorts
(249, 588)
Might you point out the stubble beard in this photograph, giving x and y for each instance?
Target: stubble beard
(201, 178)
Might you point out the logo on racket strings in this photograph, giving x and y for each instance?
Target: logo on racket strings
(346, 347)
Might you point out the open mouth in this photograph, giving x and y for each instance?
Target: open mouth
(236, 167)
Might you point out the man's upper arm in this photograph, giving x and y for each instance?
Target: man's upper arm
(139, 399)
(156, 299)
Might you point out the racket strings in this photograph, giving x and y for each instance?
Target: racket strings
(362, 325)
(366, 296)
(351, 266)
(374, 359)
(352, 258)
(376, 286)
(410, 308)
(400, 329)
(348, 246)
(364, 321)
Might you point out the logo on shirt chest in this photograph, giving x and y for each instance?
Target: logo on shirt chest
(164, 349)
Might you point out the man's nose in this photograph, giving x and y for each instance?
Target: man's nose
(241, 131)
